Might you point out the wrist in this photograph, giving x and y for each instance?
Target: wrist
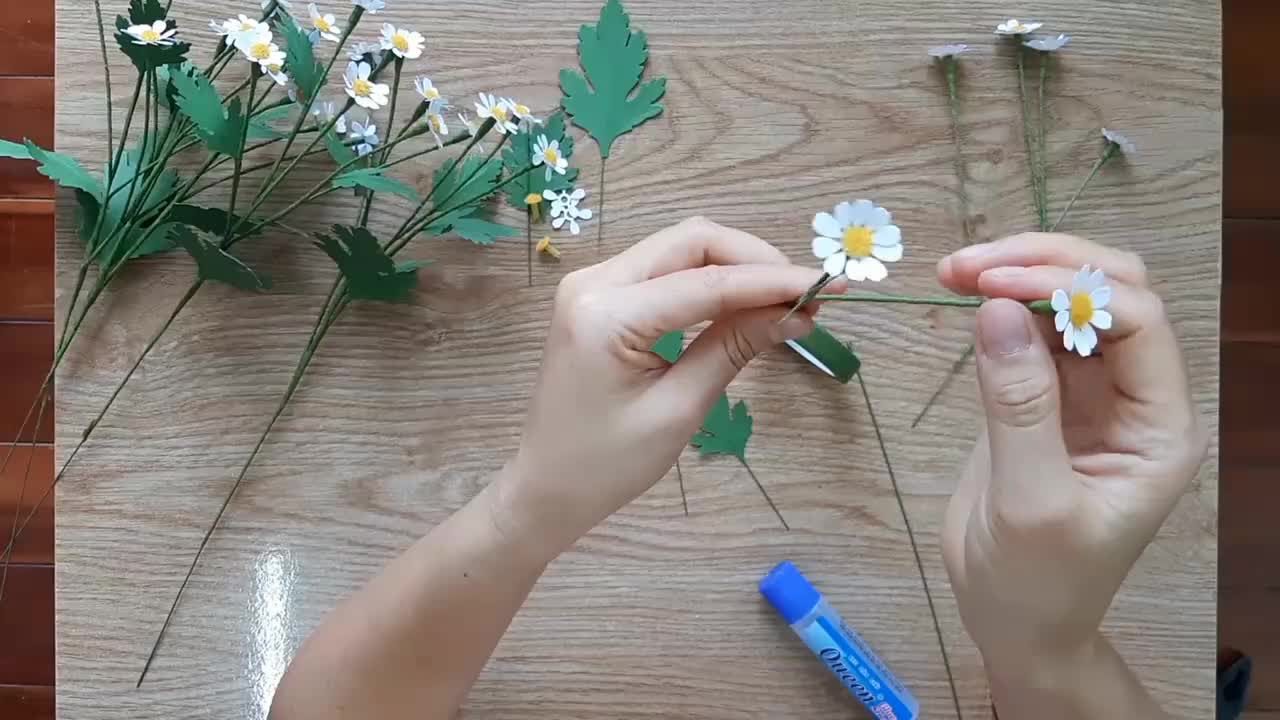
(531, 534)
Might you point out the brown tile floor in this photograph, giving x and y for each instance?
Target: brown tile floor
(1249, 583)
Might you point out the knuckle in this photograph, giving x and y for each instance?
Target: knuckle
(1024, 402)
(737, 347)
(568, 288)
(697, 224)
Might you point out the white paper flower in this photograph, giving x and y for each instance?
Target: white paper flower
(361, 50)
(948, 51)
(1016, 27)
(424, 87)
(857, 240)
(405, 44)
(548, 153)
(367, 133)
(564, 209)
(489, 107)
(1048, 44)
(367, 94)
(325, 111)
(1125, 144)
(276, 72)
(370, 6)
(157, 33)
(435, 120)
(522, 112)
(323, 25)
(1080, 310)
(243, 31)
(262, 51)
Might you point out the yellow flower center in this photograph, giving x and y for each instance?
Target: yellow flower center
(150, 35)
(431, 94)
(532, 199)
(857, 241)
(362, 87)
(273, 68)
(499, 113)
(260, 51)
(1081, 309)
(522, 109)
(323, 25)
(437, 122)
(248, 25)
(552, 156)
(401, 42)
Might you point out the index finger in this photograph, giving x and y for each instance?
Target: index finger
(959, 271)
(689, 244)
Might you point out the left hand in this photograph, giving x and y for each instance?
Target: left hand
(608, 417)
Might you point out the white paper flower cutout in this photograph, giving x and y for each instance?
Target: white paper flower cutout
(1125, 144)
(857, 240)
(403, 43)
(367, 94)
(948, 51)
(1048, 44)
(1013, 26)
(367, 133)
(548, 153)
(1080, 310)
(491, 107)
(157, 33)
(323, 25)
(564, 209)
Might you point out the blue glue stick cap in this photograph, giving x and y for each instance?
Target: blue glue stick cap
(789, 592)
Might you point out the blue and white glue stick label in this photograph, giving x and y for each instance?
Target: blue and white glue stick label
(849, 659)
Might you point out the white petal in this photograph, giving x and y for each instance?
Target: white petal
(844, 211)
(1097, 280)
(1069, 338)
(826, 224)
(559, 222)
(835, 264)
(876, 271)
(1102, 319)
(1100, 297)
(879, 217)
(1086, 340)
(862, 212)
(887, 253)
(1079, 280)
(584, 214)
(1060, 301)
(549, 195)
(578, 194)
(1061, 320)
(824, 247)
(573, 226)
(854, 270)
(887, 235)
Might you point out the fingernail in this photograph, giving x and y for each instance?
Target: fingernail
(944, 266)
(1002, 327)
(973, 252)
(795, 327)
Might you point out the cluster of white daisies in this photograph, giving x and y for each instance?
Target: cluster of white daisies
(1014, 28)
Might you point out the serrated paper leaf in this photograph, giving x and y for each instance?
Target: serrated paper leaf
(214, 263)
(149, 57)
(340, 153)
(371, 274)
(613, 58)
(220, 127)
(373, 179)
(126, 172)
(725, 431)
(260, 125)
(65, 170)
(670, 346)
(209, 220)
(519, 153)
(481, 231)
(300, 57)
(461, 201)
(145, 12)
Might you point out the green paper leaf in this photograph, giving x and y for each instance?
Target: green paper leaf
(300, 57)
(65, 170)
(149, 57)
(725, 431)
(371, 274)
(373, 179)
(219, 127)
(670, 346)
(614, 58)
(519, 152)
(828, 354)
(209, 220)
(481, 231)
(340, 153)
(145, 12)
(462, 201)
(161, 191)
(214, 263)
(260, 124)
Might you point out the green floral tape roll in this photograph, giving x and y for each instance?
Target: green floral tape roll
(828, 354)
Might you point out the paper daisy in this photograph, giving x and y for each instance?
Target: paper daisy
(522, 112)
(371, 52)
(1048, 44)
(262, 51)
(325, 112)
(276, 72)
(367, 133)
(1080, 310)
(489, 107)
(1125, 144)
(1016, 27)
(370, 6)
(157, 33)
(426, 89)
(857, 240)
(367, 94)
(548, 153)
(405, 44)
(323, 25)
(948, 51)
(435, 121)
(564, 209)
(243, 30)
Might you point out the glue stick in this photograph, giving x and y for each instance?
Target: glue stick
(842, 650)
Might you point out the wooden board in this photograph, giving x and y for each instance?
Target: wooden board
(774, 111)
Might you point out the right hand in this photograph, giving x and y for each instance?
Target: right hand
(1081, 459)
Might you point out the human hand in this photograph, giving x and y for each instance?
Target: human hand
(608, 417)
(1081, 459)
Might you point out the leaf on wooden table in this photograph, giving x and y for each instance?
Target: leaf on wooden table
(64, 170)
(220, 127)
(725, 431)
(214, 263)
(210, 220)
(371, 274)
(481, 231)
(613, 58)
(339, 151)
(462, 191)
(300, 57)
(145, 12)
(260, 124)
(519, 153)
(373, 179)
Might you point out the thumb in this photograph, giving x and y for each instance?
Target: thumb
(1019, 385)
(715, 356)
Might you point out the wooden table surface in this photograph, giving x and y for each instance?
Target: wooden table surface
(773, 112)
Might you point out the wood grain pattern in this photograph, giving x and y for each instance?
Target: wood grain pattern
(26, 30)
(35, 545)
(1251, 102)
(26, 110)
(27, 626)
(26, 351)
(26, 702)
(26, 266)
(409, 409)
